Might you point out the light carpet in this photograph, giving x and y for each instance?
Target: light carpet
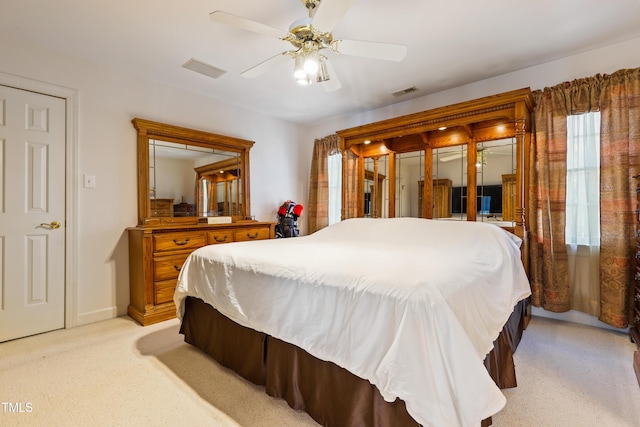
(117, 373)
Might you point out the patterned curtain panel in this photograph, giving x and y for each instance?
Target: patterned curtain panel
(318, 212)
(619, 162)
(617, 97)
(548, 264)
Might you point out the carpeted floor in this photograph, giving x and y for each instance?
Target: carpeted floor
(117, 373)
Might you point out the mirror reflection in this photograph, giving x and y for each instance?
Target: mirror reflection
(495, 180)
(189, 180)
(376, 187)
(450, 182)
(409, 184)
(219, 189)
(496, 169)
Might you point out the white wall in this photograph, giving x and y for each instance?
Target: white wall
(600, 61)
(107, 101)
(176, 180)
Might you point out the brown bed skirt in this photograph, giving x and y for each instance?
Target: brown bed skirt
(331, 395)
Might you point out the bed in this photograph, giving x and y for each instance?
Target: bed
(376, 322)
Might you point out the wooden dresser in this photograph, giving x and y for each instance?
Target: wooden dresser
(635, 327)
(441, 198)
(156, 255)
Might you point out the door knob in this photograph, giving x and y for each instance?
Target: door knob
(53, 225)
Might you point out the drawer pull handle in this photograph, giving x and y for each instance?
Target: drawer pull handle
(177, 267)
(636, 297)
(181, 243)
(220, 239)
(252, 236)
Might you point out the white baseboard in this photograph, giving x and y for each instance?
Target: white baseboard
(575, 317)
(97, 316)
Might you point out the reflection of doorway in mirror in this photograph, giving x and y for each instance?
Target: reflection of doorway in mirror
(409, 176)
(376, 189)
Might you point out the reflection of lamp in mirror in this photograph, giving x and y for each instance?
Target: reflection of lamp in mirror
(481, 159)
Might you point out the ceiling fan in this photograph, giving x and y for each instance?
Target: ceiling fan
(481, 155)
(309, 36)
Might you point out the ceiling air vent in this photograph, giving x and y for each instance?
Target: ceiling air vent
(202, 68)
(405, 91)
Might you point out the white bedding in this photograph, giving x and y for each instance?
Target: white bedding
(412, 305)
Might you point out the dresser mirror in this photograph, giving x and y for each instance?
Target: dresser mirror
(185, 175)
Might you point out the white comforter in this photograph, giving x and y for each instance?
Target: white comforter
(412, 305)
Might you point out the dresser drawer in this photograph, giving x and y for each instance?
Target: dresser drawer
(168, 267)
(163, 291)
(219, 236)
(246, 234)
(179, 241)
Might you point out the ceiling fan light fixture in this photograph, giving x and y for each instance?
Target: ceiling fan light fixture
(323, 73)
(298, 70)
(311, 58)
(309, 36)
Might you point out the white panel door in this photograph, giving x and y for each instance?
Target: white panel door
(32, 213)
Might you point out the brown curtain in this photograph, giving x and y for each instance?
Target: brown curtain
(619, 162)
(318, 212)
(617, 97)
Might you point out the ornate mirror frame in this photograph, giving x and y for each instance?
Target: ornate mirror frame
(506, 115)
(149, 130)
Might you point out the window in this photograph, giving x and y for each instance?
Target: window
(583, 180)
(335, 187)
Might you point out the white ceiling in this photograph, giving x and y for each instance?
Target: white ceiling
(450, 43)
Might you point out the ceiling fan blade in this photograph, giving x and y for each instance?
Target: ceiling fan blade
(333, 83)
(387, 51)
(264, 66)
(453, 157)
(329, 13)
(246, 24)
